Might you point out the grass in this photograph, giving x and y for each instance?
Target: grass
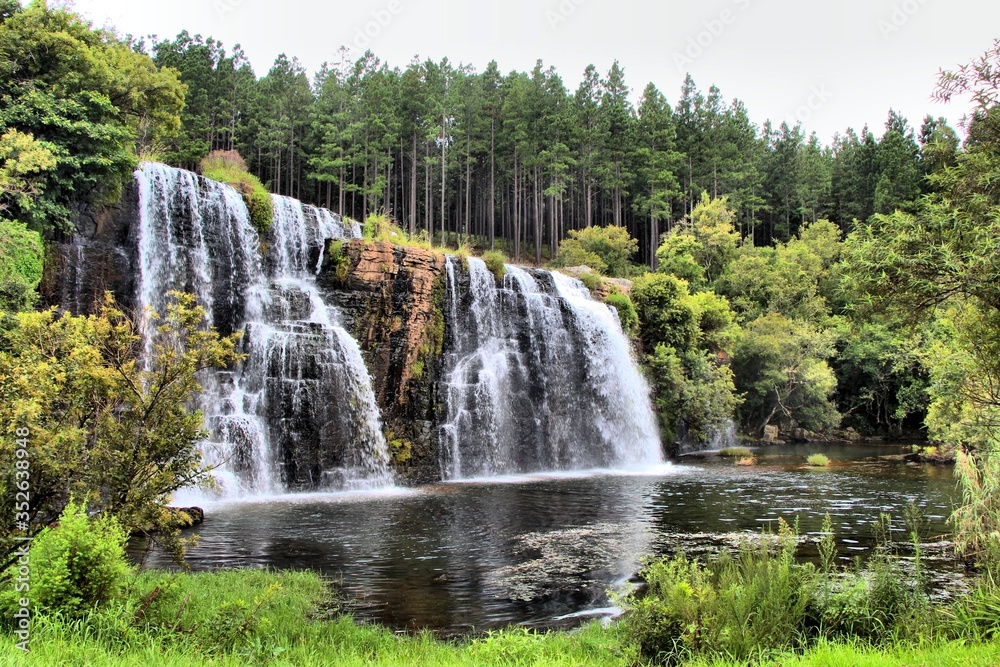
(241, 618)
(735, 453)
(828, 654)
(818, 461)
(496, 262)
(229, 167)
(746, 461)
(255, 617)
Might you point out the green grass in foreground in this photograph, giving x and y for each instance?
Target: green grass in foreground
(264, 618)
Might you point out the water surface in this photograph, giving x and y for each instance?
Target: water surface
(532, 550)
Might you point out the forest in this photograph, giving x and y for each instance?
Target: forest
(776, 286)
(523, 158)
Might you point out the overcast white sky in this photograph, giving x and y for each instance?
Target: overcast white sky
(850, 60)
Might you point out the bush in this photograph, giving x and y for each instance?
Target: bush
(818, 461)
(336, 261)
(590, 280)
(77, 565)
(21, 263)
(878, 603)
(496, 262)
(977, 519)
(381, 228)
(626, 311)
(229, 167)
(734, 606)
(608, 250)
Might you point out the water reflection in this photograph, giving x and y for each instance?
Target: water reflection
(489, 554)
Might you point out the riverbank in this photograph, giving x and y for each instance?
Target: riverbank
(236, 618)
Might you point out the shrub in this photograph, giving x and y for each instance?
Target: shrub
(75, 566)
(462, 254)
(818, 461)
(977, 519)
(733, 606)
(496, 262)
(879, 603)
(229, 167)
(21, 263)
(626, 311)
(337, 263)
(380, 227)
(607, 250)
(590, 280)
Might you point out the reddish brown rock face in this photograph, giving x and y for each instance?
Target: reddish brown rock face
(392, 297)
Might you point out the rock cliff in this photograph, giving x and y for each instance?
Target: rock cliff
(391, 299)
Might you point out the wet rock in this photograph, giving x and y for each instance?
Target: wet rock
(195, 515)
(391, 302)
(771, 434)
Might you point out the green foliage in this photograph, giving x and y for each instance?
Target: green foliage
(607, 250)
(260, 617)
(626, 311)
(710, 241)
(87, 97)
(591, 280)
(103, 427)
(678, 256)
(717, 326)
(666, 315)
(879, 602)
(21, 256)
(977, 520)
(784, 279)
(23, 162)
(229, 167)
(735, 607)
(692, 390)
(690, 336)
(381, 228)
(882, 377)
(735, 452)
(818, 461)
(781, 365)
(75, 566)
(336, 261)
(496, 262)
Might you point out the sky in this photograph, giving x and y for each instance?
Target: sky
(829, 64)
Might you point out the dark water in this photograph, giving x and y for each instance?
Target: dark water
(533, 550)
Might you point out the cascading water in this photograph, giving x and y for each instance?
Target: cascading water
(541, 379)
(299, 412)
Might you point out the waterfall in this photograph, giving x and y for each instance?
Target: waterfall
(299, 412)
(540, 378)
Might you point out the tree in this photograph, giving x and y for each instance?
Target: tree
(781, 366)
(711, 225)
(104, 427)
(89, 97)
(23, 163)
(605, 249)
